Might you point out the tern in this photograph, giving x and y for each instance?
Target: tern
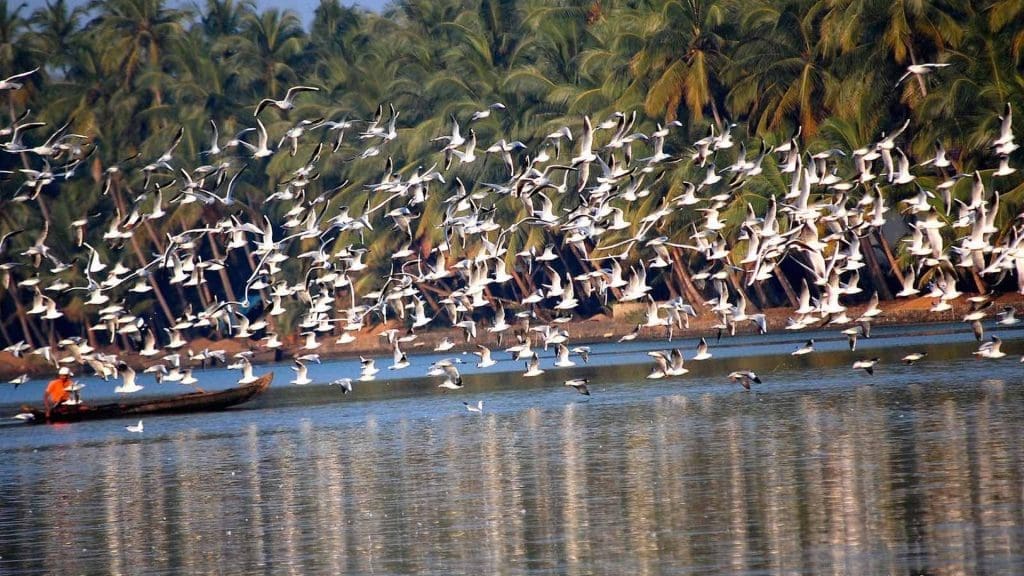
(744, 377)
(991, 349)
(344, 383)
(288, 102)
(533, 367)
(580, 384)
(807, 348)
(135, 427)
(913, 357)
(868, 365)
(452, 379)
(11, 82)
(920, 69)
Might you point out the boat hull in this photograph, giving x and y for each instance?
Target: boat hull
(182, 404)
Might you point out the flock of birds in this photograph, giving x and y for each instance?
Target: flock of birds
(577, 186)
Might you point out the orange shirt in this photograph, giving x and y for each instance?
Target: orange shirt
(56, 391)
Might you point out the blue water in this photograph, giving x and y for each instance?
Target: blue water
(821, 469)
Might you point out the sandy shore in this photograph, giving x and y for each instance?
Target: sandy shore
(371, 341)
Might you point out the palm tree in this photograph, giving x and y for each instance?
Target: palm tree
(56, 29)
(780, 78)
(266, 51)
(135, 34)
(684, 50)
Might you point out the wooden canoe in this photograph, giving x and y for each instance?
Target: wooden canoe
(182, 404)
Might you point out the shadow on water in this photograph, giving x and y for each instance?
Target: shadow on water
(821, 470)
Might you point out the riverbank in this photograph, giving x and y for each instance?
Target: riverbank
(603, 328)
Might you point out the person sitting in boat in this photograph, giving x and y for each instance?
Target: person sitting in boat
(58, 391)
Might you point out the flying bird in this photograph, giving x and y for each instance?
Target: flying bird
(745, 377)
(580, 384)
(287, 103)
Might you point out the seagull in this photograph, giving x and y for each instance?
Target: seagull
(18, 381)
(744, 377)
(301, 374)
(478, 408)
(18, 348)
(134, 427)
(400, 359)
(583, 352)
(868, 365)
(919, 69)
(702, 350)
(344, 383)
(288, 102)
(486, 112)
(807, 348)
(913, 357)
(452, 379)
(562, 357)
(580, 384)
(247, 375)
(128, 386)
(533, 367)
(1007, 316)
(368, 369)
(11, 82)
(990, 349)
(1005, 128)
(485, 357)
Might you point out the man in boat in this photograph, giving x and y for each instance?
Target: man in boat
(58, 391)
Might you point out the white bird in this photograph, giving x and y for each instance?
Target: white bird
(868, 365)
(485, 357)
(807, 348)
(444, 345)
(702, 350)
(344, 383)
(11, 82)
(368, 369)
(134, 427)
(480, 115)
(580, 384)
(478, 408)
(400, 359)
(288, 102)
(562, 357)
(913, 357)
(247, 375)
(452, 379)
(1005, 128)
(919, 69)
(128, 386)
(991, 349)
(301, 374)
(744, 377)
(533, 367)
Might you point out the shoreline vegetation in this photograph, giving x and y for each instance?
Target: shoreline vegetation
(177, 180)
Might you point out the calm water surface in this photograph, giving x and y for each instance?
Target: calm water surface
(822, 470)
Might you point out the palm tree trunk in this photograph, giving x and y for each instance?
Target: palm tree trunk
(6, 335)
(680, 270)
(794, 300)
(877, 278)
(225, 280)
(19, 310)
(894, 266)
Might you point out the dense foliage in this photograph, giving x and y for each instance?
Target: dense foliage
(129, 74)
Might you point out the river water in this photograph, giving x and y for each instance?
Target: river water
(820, 470)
